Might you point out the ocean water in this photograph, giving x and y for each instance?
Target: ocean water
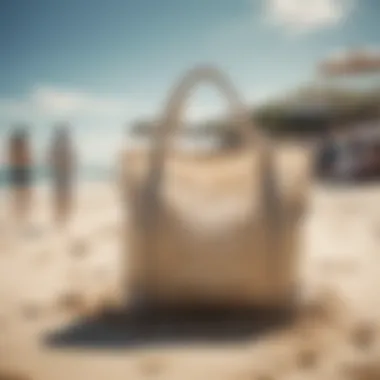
(102, 172)
(43, 175)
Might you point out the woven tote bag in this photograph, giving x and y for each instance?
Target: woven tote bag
(217, 231)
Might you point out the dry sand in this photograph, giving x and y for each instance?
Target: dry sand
(48, 278)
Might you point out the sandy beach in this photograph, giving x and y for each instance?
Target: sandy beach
(49, 278)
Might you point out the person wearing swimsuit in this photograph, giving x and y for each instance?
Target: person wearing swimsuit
(20, 172)
(62, 170)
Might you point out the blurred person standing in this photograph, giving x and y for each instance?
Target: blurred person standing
(61, 159)
(20, 166)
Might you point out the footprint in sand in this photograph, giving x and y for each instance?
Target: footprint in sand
(79, 248)
(71, 301)
(363, 335)
(31, 311)
(325, 307)
(307, 358)
(4, 375)
(152, 366)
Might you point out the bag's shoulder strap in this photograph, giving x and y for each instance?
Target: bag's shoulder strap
(241, 117)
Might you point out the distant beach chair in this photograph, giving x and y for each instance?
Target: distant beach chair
(247, 255)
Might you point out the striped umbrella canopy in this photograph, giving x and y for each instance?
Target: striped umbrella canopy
(358, 61)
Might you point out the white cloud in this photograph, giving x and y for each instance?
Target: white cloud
(307, 15)
(65, 103)
(48, 102)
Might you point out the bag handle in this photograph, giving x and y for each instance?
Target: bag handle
(171, 120)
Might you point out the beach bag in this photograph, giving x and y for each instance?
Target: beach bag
(223, 230)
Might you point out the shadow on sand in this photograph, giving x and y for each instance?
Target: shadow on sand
(139, 328)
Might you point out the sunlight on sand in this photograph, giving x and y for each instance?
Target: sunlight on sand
(48, 278)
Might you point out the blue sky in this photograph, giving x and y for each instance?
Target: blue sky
(100, 64)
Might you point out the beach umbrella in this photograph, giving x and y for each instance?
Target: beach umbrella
(351, 62)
